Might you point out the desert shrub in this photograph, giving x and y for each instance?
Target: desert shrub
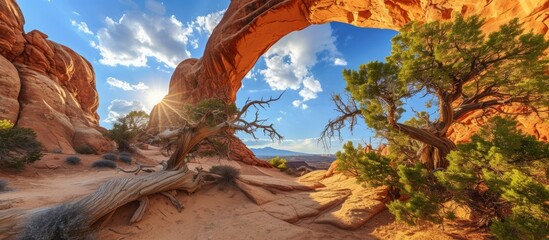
(18, 146)
(104, 164)
(84, 149)
(62, 222)
(110, 156)
(125, 154)
(57, 150)
(125, 158)
(278, 162)
(501, 187)
(72, 160)
(3, 185)
(228, 175)
(126, 129)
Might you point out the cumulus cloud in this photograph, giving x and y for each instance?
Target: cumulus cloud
(81, 26)
(126, 86)
(136, 37)
(289, 61)
(119, 108)
(340, 62)
(208, 23)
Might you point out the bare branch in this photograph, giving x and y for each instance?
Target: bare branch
(348, 114)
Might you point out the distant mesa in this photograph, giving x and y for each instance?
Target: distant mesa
(269, 151)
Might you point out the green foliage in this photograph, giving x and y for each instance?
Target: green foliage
(418, 207)
(278, 162)
(503, 168)
(209, 112)
(455, 64)
(228, 175)
(72, 160)
(127, 128)
(369, 167)
(84, 149)
(18, 146)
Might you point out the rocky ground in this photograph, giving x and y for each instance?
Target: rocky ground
(267, 205)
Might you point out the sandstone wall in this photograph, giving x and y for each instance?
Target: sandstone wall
(47, 87)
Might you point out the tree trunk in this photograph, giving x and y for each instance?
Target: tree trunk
(435, 157)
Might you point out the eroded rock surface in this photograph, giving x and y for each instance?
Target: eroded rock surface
(47, 87)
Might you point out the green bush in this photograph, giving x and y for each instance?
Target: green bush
(210, 111)
(18, 146)
(84, 149)
(127, 129)
(501, 187)
(104, 164)
(228, 175)
(72, 160)
(278, 162)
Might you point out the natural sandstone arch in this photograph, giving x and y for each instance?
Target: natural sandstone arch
(250, 27)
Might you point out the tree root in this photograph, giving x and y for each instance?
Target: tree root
(176, 203)
(138, 214)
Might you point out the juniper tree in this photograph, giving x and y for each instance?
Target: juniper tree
(460, 67)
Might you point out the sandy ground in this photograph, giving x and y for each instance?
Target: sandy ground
(210, 213)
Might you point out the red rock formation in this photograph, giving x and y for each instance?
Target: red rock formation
(250, 27)
(47, 87)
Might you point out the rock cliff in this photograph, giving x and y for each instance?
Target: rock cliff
(250, 27)
(47, 87)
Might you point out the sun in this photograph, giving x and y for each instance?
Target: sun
(155, 96)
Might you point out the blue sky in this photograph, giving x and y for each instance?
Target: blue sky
(135, 45)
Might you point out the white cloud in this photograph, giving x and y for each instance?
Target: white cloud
(251, 74)
(279, 119)
(76, 13)
(304, 106)
(289, 61)
(155, 7)
(119, 108)
(209, 22)
(81, 26)
(126, 86)
(340, 62)
(136, 37)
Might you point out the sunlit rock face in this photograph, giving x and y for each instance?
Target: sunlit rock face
(250, 27)
(47, 87)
